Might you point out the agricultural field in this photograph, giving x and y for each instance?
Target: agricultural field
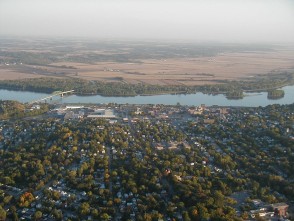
(127, 62)
(188, 71)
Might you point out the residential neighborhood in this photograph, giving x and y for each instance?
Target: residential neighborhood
(148, 162)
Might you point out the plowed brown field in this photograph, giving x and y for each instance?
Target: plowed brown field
(187, 71)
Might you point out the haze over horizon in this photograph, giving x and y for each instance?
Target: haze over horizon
(238, 21)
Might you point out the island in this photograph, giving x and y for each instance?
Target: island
(275, 94)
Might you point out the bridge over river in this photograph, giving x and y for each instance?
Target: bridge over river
(54, 94)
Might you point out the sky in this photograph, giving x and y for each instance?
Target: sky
(194, 20)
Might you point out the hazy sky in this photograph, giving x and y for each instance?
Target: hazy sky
(199, 20)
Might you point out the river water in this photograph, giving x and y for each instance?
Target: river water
(250, 100)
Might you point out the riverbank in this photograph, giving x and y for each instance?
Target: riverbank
(232, 89)
(249, 99)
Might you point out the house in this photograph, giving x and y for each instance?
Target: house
(159, 147)
(280, 209)
(36, 107)
(209, 121)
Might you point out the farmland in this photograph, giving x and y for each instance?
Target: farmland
(187, 64)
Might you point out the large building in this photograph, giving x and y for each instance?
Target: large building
(102, 113)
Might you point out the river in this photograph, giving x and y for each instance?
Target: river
(250, 100)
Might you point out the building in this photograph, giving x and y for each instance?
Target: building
(102, 113)
(209, 121)
(280, 209)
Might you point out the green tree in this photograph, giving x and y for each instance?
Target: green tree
(84, 209)
(2, 214)
(186, 216)
(105, 216)
(38, 215)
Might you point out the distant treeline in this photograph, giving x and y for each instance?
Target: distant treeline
(83, 87)
(232, 89)
(260, 84)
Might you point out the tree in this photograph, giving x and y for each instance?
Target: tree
(193, 212)
(26, 199)
(84, 209)
(147, 217)
(2, 214)
(203, 212)
(7, 199)
(95, 213)
(186, 216)
(57, 214)
(218, 198)
(105, 216)
(14, 213)
(38, 215)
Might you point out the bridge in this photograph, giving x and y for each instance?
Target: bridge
(61, 93)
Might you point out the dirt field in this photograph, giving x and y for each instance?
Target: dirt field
(6, 74)
(187, 71)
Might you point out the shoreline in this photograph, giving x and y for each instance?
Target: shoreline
(258, 91)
